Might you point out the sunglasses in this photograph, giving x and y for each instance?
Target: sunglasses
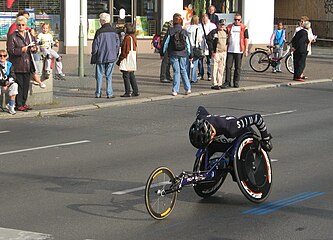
(237, 19)
(3, 55)
(21, 25)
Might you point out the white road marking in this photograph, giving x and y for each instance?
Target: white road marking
(44, 147)
(278, 113)
(4, 132)
(138, 188)
(7, 233)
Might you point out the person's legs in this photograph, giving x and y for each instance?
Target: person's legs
(223, 58)
(195, 62)
(26, 86)
(209, 67)
(174, 60)
(201, 68)
(164, 71)
(302, 62)
(108, 74)
(183, 72)
(279, 55)
(126, 78)
(297, 67)
(238, 68)
(215, 60)
(134, 84)
(230, 60)
(100, 69)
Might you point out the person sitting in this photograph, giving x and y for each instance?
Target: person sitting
(208, 127)
(45, 40)
(7, 82)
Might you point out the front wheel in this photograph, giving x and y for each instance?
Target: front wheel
(160, 193)
(253, 170)
(259, 61)
(290, 63)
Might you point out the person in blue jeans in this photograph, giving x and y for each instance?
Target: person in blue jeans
(104, 54)
(177, 43)
(278, 39)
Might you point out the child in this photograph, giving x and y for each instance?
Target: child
(45, 39)
(7, 80)
(278, 39)
(128, 76)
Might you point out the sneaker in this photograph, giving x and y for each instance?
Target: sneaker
(42, 85)
(188, 92)
(11, 109)
(209, 79)
(135, 94)
(60, 76)
(27, 107)
(215, 87)
(279, 71)
(35, 83)
(202, 78)
(165, 81)
(273, 71)
(22, 109)
(174, 93)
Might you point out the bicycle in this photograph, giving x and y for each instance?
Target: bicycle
(244, 158)
(261, 59)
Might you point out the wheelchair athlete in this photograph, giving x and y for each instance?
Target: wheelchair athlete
(207, 130)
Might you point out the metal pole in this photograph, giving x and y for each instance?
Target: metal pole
(81, 43)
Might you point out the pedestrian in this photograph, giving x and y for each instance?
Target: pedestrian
(7, 80)
(278, 39)
(212, 16)
(217, 43)
(20, 46)
(165, 74)
(13, 27)
(196, 36)
(300, 48)
(46, 43)
(237, 47)
(176, 42)
(129, 44)
(206, 26)
(104, 54)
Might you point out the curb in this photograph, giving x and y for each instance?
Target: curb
(66, 110)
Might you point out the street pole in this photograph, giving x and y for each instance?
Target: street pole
(81, 43)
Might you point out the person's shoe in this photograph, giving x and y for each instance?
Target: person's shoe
(112, 96)
(126, 95)
(304, 77)
(165, 81)
(60, 76)
(299, 79)
(273, 71)
(201, 78)
(96, 96)
(174, 93)
(225, 85)
(135, 94)
(42, 85)
(194, 82)
(279, 71)
(236, 86)
(27, 107)
(34, 83)
(22, 109)
(209, 79)
(188, 92)
(215, 87)
(11, 109)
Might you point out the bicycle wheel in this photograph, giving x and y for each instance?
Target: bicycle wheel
(160, 197)
(290, 63)
(259, 61)
(253, 170)
(207, 188)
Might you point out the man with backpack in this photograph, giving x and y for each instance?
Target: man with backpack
(177, 44)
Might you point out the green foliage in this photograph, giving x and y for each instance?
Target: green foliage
(199, 7)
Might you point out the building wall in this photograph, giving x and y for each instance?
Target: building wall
(320, 13)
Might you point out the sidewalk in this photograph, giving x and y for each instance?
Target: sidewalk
(77, 94)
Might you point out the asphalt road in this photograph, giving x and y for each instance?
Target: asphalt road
(59, 175)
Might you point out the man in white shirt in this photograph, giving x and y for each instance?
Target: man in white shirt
(237, 46)
(206, 26)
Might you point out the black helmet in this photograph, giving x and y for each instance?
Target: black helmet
(200, 133)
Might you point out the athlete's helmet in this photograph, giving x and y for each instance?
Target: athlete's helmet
(200, 133)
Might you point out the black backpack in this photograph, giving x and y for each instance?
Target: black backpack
(178, 41)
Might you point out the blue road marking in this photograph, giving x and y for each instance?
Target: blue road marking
(271, 207)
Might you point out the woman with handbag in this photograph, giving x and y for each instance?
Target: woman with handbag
(127, 61)
(195, 34)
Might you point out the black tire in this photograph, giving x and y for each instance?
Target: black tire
(158, 202)
(253, 170)
(207, 189)
(259, 61)
(290, 63)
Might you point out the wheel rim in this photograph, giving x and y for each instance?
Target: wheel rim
(259, 62)
(255, 169)
(158, 202)
(290, 64)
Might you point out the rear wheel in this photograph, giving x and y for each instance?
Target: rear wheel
(160, 194)
(253, 170)
(259, 61)
(208, 188)
(290, 63)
